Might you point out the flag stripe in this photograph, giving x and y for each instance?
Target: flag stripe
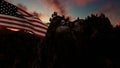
(21, 22)
(20, 27)
(12, 16)
(23, 26)
(34, 22)
(28, 16)
(30, 29)
(24, 12)
(37, 22)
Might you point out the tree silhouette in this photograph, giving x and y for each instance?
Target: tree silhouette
(81, 43)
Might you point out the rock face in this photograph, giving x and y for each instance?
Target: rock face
(18, 49)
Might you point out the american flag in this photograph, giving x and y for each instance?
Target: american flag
(12, 16)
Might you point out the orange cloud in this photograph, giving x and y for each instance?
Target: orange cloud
(43, 17)
(57, 6)
(84, 2)
(117, 24)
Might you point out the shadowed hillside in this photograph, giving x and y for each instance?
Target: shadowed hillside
(82, 43)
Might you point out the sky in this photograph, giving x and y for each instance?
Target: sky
(71, 8)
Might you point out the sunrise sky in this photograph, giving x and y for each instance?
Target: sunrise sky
(72, 8)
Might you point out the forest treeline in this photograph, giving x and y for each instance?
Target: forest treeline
(83, 43)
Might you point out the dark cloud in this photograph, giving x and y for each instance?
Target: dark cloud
(84, 2)
(112, 11)
(22, 6)
(6, 0)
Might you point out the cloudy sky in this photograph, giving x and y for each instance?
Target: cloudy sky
(72, 8)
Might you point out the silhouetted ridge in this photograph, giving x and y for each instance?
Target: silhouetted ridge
(81, 43)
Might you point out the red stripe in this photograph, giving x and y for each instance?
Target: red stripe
(24, 29)
(23, 11)
(33, 20)
(10, 27)
(29, 15)
(42, 37)
(22, 21)
(36, 21)
(22, 26)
